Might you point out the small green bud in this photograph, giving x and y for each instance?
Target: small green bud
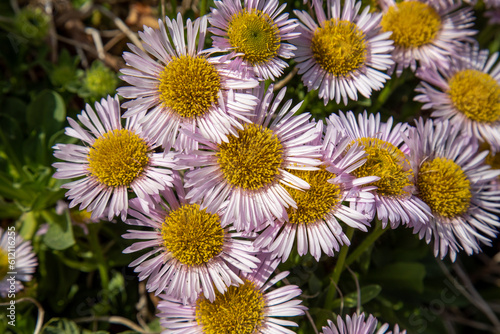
(32, 23)
(98, 82)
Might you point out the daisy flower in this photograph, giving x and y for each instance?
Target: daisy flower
(189, 250)
(112, 160)
(344, 53)
(254, 34)
(454, 181)
(250, 169)
(467, 93)
(182, 87)
(426, 31)
(314, 222)
(395, 201)
(245, 309)
(17, 262)
(357, 324)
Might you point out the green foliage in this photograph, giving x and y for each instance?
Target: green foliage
(82, 271)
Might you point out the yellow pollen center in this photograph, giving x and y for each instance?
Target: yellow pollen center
(339, 47)
(444, 187)
(254, 34)
(189, 86)
(387, 162)
(4, 264)
(412, 23)
(80, 216)
(192, 235)
(253, 159)
(316, 202)
(475, 94)
(118, 158)
(240, 310)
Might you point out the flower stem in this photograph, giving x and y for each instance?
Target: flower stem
(96, 249)
(203, 7)
(369, 240)
(337, 271)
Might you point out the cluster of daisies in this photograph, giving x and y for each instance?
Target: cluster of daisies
(222, 179)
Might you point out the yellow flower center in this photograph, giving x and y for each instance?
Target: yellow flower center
(475, 94)
(189, 86)
(4, 264)
(254, 34)
(80, 216)
(192, 235)
(251, 160)
(339, 47)
(444, 187)
(118, 158)
(412, 23)
(320, 199)
(387, 162)
(240, 310)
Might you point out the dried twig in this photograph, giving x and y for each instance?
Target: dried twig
(122, 26)
(469, 292)
(283, 82)
(49, 9)
(308, 315)
(358, 289)
(476, 297)
(112, 42)
(97, 41)
(470, 323)
(41, 311)
(110, 60)
(114, 319)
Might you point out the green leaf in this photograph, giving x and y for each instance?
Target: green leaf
(29, 225)
(60, 326)
(60, 233)
(400, 276)
(46, 112)
(351, 300)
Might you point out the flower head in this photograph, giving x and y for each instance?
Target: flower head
(344, 53)
(112, 160)
(13, 247)
(250, 169)
(244, 309)
(255, 34)
(182, 87)
(358, 325)
(387, 158)
(314, 222)
(467, 93)
(426, 31)
(454, 181)
(190, 250)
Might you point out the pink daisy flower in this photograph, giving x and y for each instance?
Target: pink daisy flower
(247, 308)
(315, 221)
(395, 200)
(426, 31)
(254, 34)
(182, 87)
(357, 324)
(17, 262)
(343, 53)
(190, 251)
(250, 169)
(112, 160)
(454, 181)
(467, 93)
